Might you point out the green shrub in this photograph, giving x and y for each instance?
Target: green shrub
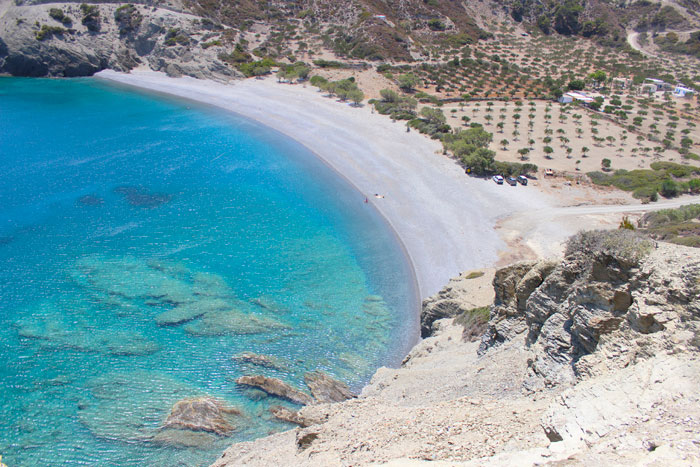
(58, 15)
(91, 17)
(474, 322)
(669, 188)
(474, 275)
(318, 81)
(127, 18)
(330, 64)
(624, 245)
(258, 68)
(399, 107)
(47, 31)
(436, 25)
(295, 71)
(176, 36)
(214, 43)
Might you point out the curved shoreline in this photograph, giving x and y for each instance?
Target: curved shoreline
(444, 220)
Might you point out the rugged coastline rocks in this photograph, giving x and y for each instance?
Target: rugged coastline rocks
(324, 389)
(101, 36)
(591, 359)
(600, 308)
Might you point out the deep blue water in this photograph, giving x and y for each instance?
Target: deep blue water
(145, 243)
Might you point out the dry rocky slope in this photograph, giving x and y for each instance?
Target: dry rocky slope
(589, 360)
(70, 39)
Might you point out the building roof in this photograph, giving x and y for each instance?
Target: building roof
(579, 96)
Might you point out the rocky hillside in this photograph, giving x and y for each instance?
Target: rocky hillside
(70, 39)
(591, 359)
(208, 38)
(604, 20)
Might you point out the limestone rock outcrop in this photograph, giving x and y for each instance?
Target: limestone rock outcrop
(602, 307)
(326, 389)
(591, 360)
(470, 290)
(84, 40)
(290, 416)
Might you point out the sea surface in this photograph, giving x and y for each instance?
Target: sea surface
(148, 243)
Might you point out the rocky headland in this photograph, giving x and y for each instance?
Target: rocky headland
(72, 39)
(586, 360)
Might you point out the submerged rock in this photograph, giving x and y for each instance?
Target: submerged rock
(202, 414)
(190, 311)
(54, 329)
(232, 321)
(276, 387)
(91, 200)
(326, 389)
(130, 406)
(184, 438)
(265, 361)
(142, 198)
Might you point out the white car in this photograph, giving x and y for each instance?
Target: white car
(498, 179)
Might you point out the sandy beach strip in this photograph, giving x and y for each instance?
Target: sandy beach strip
(444, 218)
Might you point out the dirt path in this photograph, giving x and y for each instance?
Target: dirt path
(532, 234)
(633, 40)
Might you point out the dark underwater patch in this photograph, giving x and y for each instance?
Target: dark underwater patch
(142, 198)
(91, 200)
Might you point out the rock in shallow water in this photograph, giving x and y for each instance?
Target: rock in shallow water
(264, 361)
(202, 414)
(276, 387)
(130, 406)
(232, 322)
(326, 389)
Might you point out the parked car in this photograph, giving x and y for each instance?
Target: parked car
(498, 179)
(548, 173)
(522, 179)
(511, 181)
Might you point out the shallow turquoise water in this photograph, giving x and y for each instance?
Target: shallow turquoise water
(144, 243)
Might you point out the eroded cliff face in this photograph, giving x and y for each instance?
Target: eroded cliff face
(69, 39)
(588, 360)
(601, 308)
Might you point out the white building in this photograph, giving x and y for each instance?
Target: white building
(682, 91)
(575, 96)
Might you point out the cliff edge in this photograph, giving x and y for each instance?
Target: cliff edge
(589, 359)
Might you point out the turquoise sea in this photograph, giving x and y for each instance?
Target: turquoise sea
(145, 244)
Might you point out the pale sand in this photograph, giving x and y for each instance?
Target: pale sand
(444, 218)
(448, 222)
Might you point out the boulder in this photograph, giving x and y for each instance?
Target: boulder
(201, 414)
(276, 387)
(326, 389)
